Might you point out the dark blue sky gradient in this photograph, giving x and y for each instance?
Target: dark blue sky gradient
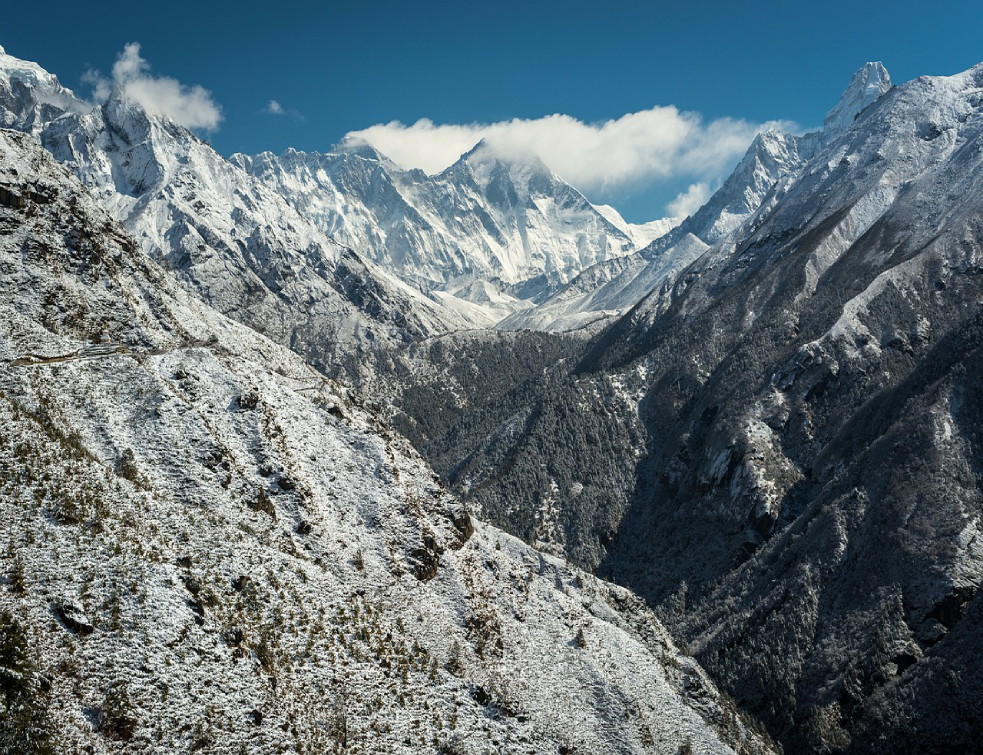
(346, 66)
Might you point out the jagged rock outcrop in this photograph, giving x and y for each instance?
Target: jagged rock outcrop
(866, 87)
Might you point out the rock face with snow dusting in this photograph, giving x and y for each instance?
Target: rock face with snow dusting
(866, 87)
(210, 546)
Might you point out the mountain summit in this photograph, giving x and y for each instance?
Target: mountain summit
(30, 97)
(866, 87)
(233, 241)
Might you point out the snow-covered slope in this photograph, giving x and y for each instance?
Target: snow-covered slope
(509, 222)
(209, 546)
(773, 159)
(642, 234)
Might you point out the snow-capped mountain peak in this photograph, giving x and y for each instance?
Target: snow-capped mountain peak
(486, 159)
(866, 86)
(30, 97)
(353, 145)
(510, 181)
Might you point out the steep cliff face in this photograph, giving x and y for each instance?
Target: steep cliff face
(866, 87)
(210, 545)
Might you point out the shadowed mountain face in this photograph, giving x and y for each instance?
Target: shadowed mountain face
(498, 437)
(814, 468)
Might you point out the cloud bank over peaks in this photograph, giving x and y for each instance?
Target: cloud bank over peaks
(662, 144)
(188, 106)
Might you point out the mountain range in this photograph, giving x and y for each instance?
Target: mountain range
(211, 546)
(226, 383)
(491, 234)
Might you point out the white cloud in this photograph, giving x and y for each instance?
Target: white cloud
(101, 86)
(690, 200)
(275, 107)
(657, 145)
(189, 106)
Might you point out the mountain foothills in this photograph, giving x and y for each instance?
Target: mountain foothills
(210, 546)
(764, 420)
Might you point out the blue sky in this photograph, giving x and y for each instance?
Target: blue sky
(341, 67)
